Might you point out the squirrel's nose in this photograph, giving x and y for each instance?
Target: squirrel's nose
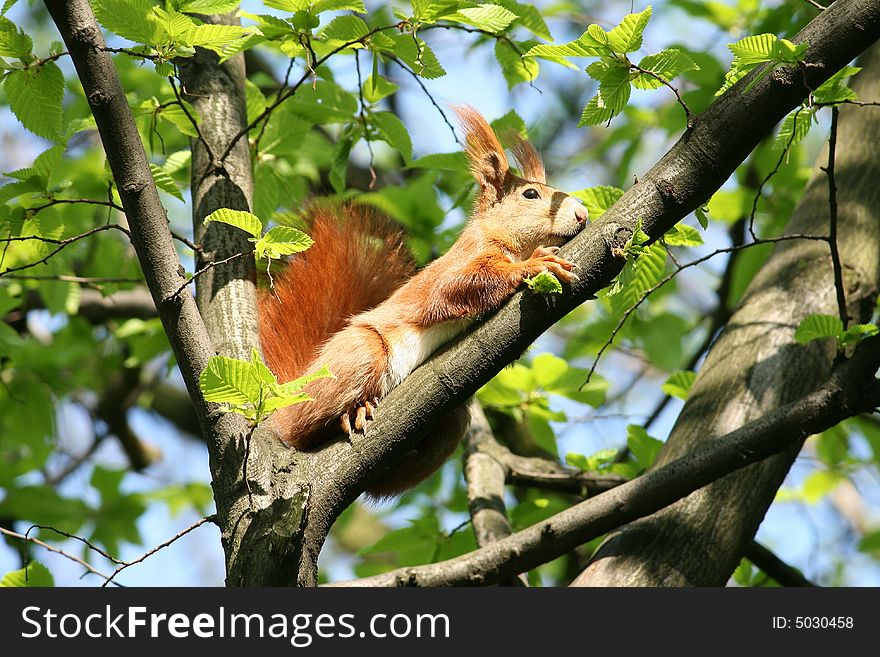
(581, 214)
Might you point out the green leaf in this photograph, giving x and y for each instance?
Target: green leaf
(281, 241)
(442, 161)
(376, 88)
(544, 283)
(34, 575)
(683, 235)
(667, 64)
(598, 199)
(702, 217)
(514, 68)
(794, 128)
(299, 383)
(13, 41)
(548, 369)
(493, 18)
(130, 19)
(292, 6)
(834, 90)
(208, 6)
(324, 103)
(416, 55)
(345, 28)
(246, 221)
(338, 5)
(394, 132)
(254, 99)
(679, 384)
(585, 46)
(815, 327)
(165, 182)
(7, 5)
(761, 48)
(627, 37)
(339, 166)
(229, 380)
(594, 113)
(643, 447)
(35, 96)
(637, 277)
(614, 83)
(529, 17)
(218, 38)
(857, 333)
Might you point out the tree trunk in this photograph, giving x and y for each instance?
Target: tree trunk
(756, 366)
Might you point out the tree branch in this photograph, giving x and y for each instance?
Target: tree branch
(850, 391)
(688, 174)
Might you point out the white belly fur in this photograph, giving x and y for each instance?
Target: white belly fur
(412, 347)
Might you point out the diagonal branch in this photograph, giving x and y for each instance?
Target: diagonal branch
(851, 390)
(689, 173)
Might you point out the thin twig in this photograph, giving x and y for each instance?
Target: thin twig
(832, 222)
(154, 550)
(773, 173)
(427, 93)
(51, 548)
(687, 112)
(816, 5)
(363, 117)
(87, 201)
(193, 121)
(74, 537)
(203, 270)
(84, 280)
(663, 281)
(61, 245)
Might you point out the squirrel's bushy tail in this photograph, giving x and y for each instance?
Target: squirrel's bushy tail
(358, 259)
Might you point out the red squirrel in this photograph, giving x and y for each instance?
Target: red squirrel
(354, 303)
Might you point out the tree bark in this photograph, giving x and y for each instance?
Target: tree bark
(756, 366)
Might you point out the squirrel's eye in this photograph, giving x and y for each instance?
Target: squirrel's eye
(531, 193)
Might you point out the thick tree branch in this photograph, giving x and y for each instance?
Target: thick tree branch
(685, 177)
(148, 221)
(851, 390)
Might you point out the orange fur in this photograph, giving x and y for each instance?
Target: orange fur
(349, 301)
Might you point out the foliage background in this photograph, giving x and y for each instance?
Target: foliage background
(58, 367)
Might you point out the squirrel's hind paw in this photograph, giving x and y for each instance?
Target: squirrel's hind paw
(355, 420)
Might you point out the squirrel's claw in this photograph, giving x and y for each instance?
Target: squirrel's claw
(360, 419)
(345, 421)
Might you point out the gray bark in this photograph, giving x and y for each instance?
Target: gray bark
(756, 366)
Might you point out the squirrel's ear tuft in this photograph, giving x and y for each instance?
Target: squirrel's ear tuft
(484, 152)
(528, 159)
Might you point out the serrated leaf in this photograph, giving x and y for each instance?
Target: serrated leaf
(614, 83)
(34, 574)
(514, 68)
(229, 380)
(35, 96)
(339, 5)
(794, 128)
(598, 199)
(324, 103)
(529, 17)
(766, 47)
(130, 19)
(637, 277)
(246, 221)
(288, 5)
(7, 5)
(667, 64)
(679, 384)
(13, 41)
(544, 283)
(208, 6)
(834, 90)
(584, 46)
(815, 327)
(683, 235)
(299, 383)
(165, 182)
(627, 37)
(254, 100)
(643, 447)
(442, 161)
(339, 166)
(218, 38)
(345, 28)
(281, 241)
(856, 333)
(394, 132)
(376, 88)
(594, 114)
(416, 54)
(492, 18)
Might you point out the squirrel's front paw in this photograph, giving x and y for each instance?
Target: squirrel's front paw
(355, 419)
(544, 259)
